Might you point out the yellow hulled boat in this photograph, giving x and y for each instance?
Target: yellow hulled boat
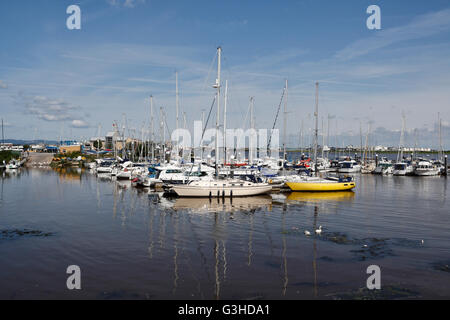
(321, 185)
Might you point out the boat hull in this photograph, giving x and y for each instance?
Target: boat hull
(320, 187)
(218, 191)
(424, 173)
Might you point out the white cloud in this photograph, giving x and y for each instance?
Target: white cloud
(422, 26)
(48, 109)
(125, 3)
(79, 124)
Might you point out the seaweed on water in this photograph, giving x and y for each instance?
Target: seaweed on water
(326, 258)
(373, 250)
(16, 233)
(391, 292)
(370, 248)
(442, 266)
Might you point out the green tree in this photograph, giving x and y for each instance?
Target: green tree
(98, 144)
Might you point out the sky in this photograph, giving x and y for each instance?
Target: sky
(56, 82)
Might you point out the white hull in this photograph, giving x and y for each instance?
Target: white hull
(404, 172)
(350, 170)
(432, 172)
(125, 175)
(193, 190)
(104, 170)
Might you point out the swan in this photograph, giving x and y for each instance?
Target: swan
(319, 231)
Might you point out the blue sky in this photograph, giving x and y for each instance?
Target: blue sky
(54, 80)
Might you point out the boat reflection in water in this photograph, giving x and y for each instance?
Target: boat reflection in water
(224, 204)
(321, 196)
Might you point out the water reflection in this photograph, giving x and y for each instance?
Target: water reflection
(202, 205)
(236, 248)
(321, 196)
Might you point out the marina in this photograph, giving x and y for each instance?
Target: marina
(225, 155)
(137, 243)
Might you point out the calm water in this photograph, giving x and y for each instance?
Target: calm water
(134, 244)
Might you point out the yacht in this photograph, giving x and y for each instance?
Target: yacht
(426, 168)
(349, 166)
(384, 167)
(104, 167)
(221, 188)
(403, 169)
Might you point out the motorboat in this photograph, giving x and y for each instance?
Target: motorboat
(403, 169)
(426, 168)
(349, 166)
(384, 167)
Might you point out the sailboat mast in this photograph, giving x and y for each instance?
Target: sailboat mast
(252, 124)
(285, 124)
(323, 138)
(441, 150)
(152, 129)
(316, 131)
(400, 148)
(225, 124)
(217, 85)
(177, 112)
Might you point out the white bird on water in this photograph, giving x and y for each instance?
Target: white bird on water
(307, 233)
(319, 231)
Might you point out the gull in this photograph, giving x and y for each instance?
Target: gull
(319, 231)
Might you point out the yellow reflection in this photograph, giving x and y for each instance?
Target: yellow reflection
(69, 174)
(321, 196)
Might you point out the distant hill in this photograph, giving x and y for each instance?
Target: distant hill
(22, 142)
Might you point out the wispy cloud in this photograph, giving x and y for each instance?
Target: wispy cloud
(51, 110)
(125, 3)
(420, 27)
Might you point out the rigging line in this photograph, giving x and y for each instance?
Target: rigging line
(243, 126)
(276, 117)
(209, 71)
(204, 128)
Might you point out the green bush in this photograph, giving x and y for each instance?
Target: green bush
(6, 156)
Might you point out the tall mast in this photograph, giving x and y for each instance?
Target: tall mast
(225, 124)
(162, 155)
(284, 124)
(301, 137)
(400, 148)
(98, 138)
(177, 112)
(252, 126)
(441, 150)
(217, 86)
(323, 138)
(152, 129)
(124, 144)
(316, 131)
(3, 135)
(203, 127)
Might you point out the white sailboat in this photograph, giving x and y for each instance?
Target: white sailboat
(216, 187)
(401, 167)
